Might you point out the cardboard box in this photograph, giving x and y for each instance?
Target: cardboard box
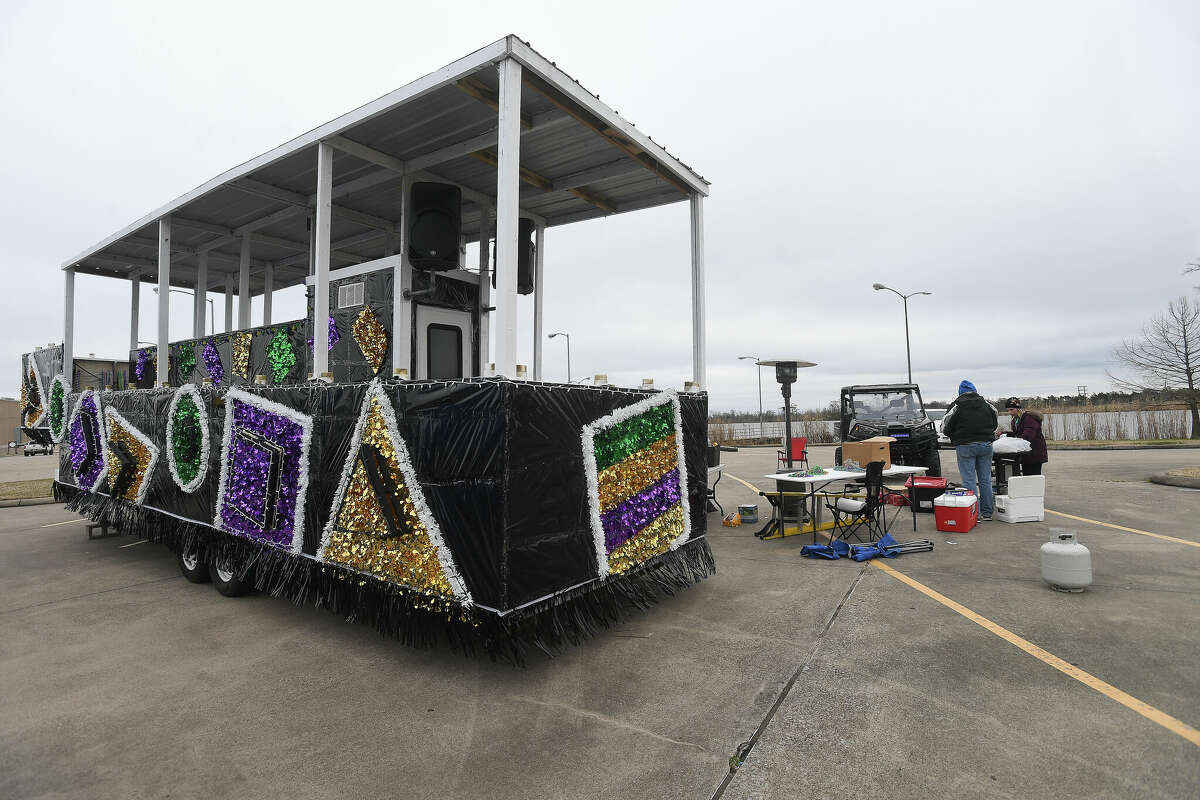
(1027, 486)
(877, 448)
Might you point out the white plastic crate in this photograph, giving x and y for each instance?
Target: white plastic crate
(1019, 509)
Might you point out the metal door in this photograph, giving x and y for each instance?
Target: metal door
(443, 344)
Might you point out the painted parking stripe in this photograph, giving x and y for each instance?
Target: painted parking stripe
(68, 522)
(749, 486)
(1123, 528)
(1108, 690)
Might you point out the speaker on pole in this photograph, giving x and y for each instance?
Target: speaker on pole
(435, 223)
(526, 257)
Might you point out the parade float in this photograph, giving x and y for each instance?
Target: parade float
(371, 459)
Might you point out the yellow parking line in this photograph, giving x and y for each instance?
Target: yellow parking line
(749, 486)
(1123, 528)
(1108, 690)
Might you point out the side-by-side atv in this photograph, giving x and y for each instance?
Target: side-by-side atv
(894, 410)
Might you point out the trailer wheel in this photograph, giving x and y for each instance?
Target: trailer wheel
(225, 579)
(933, 460)
(194, 568)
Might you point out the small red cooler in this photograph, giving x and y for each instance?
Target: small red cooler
(956, 512)
(925, 490)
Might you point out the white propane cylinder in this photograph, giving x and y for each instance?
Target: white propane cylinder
(1066, 564)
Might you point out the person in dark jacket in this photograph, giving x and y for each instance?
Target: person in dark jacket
(970, 424)
(1027, 425)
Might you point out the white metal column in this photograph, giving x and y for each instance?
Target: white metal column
(508, 176)
(135, 301)
(268, 291)
(228, 303)
(244, 285)
(537, 300)
(401, 280)
(698, 372)
(320, 324)
(485, 287)
(69, 328)
(201, 309)
(164, 298)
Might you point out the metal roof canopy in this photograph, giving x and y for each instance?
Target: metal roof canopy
(259, 223)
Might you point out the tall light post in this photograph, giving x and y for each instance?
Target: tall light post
(904, 297)
(761, 430)
(193, 294)
(568, 336)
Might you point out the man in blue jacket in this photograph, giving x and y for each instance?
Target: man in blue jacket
(970, 425)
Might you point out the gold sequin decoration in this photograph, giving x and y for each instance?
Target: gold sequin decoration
(371, 336)
(241, 355)
(36, 411)
(360, 538)
(626, 478)
(650, 541)
(141, 454)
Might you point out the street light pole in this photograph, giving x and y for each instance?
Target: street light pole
(904, 297)
(568, 336)
(193, 294)
(761, 430)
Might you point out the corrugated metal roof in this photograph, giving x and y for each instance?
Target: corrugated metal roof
(579, 160)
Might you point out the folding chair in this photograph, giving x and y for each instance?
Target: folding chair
(799, 453)
(851, 515)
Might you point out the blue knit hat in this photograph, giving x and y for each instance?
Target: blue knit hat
(966, 386)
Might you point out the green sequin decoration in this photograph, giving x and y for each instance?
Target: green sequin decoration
(56, 408)
(281, 356)
(186, 362)
(625, 438)
(187, 438)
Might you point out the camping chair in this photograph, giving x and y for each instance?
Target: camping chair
(799, 453)
(851, 515)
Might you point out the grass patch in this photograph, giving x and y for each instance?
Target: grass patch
(25, 490)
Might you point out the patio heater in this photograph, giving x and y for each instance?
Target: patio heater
(785, 374)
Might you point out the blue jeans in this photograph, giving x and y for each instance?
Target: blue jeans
(975, 467)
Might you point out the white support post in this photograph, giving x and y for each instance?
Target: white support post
(228, 303)
(485, 288)
(268, 291)
(508, 178)
(201, 310)
(244, 285)
(401, 280)
(135, 300)
(69, 328)
(320, 325)
(698, 345)
(537, 300)
(164, 299)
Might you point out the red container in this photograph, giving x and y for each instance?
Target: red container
(925, 490)
(955, 513)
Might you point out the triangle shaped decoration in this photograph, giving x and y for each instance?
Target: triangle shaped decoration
(85, 438)
(131, 458)
(637, 482)
(379, 522)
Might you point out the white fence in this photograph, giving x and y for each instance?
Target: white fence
(1100, 425)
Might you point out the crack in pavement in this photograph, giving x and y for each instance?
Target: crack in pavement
(89, 594)
(608, 721)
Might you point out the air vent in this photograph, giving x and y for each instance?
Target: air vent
(350, 294)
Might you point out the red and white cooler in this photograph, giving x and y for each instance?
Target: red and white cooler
(956, 511)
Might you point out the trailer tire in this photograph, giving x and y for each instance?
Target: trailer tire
(933, 460)
(226, 581)
(193, 567)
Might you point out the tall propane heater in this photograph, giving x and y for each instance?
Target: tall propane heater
(785, 374)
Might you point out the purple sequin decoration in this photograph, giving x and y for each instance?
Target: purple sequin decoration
(248, 483)
(622, 522)
(139, 368)
(335, 336)
(212, 362)
(80, 449)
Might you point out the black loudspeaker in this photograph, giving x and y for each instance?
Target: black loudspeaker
(526, 257)
(435, 226)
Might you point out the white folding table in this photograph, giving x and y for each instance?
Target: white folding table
(816, 483)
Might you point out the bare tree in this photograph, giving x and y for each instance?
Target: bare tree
(1166, 356)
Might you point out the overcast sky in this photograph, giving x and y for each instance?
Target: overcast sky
(1035, 165)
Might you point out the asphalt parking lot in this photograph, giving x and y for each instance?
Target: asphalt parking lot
(120, 679)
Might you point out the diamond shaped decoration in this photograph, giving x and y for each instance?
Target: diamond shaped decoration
(371, 338)
(130, 456)
(85, 434)
(264, 471)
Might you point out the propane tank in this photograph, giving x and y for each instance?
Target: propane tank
(1066, 564)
